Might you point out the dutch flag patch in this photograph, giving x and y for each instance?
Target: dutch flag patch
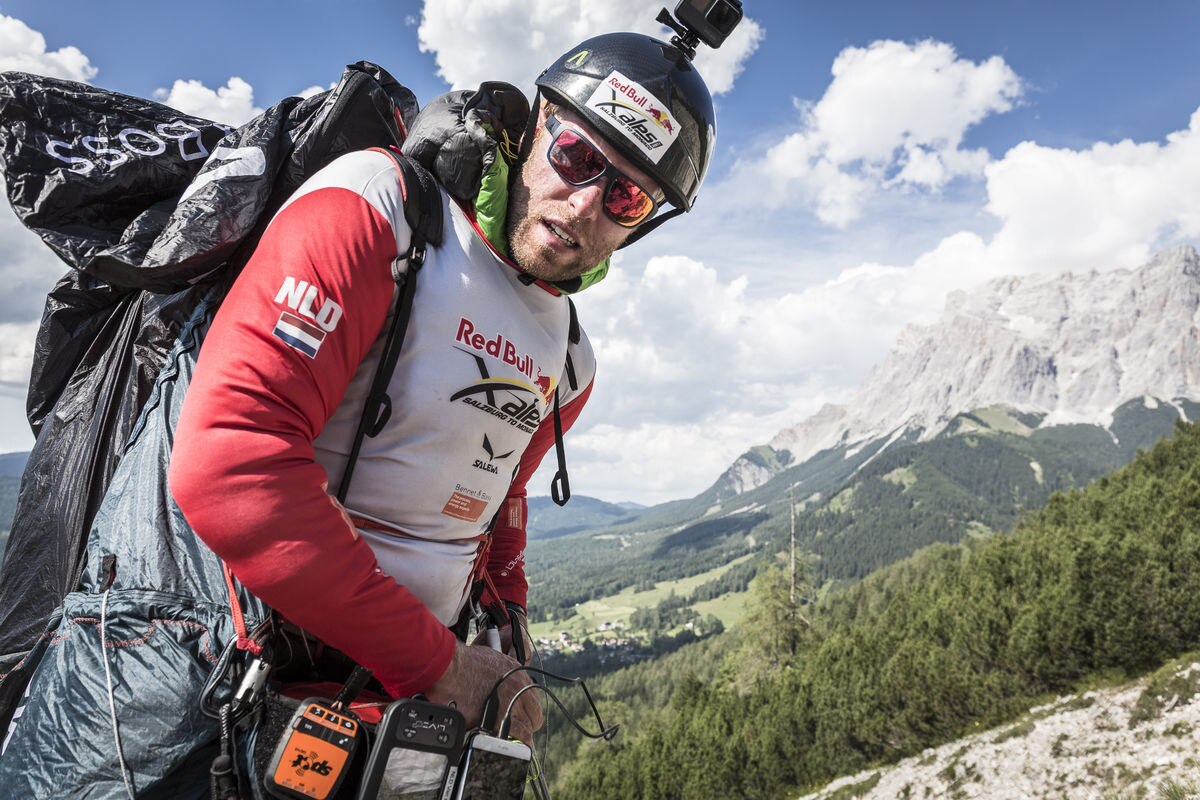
(299, 334)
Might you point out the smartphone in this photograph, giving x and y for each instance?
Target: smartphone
(417, 749)
(493, 769)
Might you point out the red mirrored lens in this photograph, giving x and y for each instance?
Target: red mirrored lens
(575, 158)
(627, 203)
(578, 161)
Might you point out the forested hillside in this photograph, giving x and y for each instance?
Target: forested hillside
(1103, 581)
(858, 509)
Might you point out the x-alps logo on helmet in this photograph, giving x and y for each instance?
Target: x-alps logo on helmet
(636, 113)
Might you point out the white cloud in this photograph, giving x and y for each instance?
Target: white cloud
(692, 372)
(514, 40)
(894, 116)
(694, 369)
(16, 356)
(28, 269)
(314, 90)
(232, 104)
(1109, 205)
(24, 49)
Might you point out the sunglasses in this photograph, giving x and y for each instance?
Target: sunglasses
(577, 161)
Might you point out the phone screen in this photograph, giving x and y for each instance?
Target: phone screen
(489, 774)
(412, 775)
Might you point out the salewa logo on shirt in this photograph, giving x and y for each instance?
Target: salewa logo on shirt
(306, 329)
(497, 347)
(488, 466)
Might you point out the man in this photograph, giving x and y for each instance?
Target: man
(267, 422)
(491, 368)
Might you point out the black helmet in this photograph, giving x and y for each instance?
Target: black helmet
(648, 101)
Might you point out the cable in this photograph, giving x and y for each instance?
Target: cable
(112, 698)
(488, 719)
(523, 623)
(605, 733)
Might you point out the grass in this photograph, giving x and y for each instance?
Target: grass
(728, 608)
(618, 607)
(904, 476)
(1000, 419)
(1175, 682)
(841, 501)
(1175, 790)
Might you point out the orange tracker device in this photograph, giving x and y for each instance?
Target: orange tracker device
(315, 752)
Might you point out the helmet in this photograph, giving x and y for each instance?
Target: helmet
(647, 100)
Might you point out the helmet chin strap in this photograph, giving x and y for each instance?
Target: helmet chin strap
(535, 108)
(645, 228)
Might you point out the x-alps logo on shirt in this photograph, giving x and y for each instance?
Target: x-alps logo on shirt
(514, 401)
(314, 317)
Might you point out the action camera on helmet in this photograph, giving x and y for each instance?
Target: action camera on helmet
(708, 21)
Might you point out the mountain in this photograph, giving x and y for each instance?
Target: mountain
(1026, 387)
(1070, 349)
(12, 464)
(548, 520)
(858, 508)
(1099, 587)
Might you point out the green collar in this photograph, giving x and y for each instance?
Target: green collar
(491, 213)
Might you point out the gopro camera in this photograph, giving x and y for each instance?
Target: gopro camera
(711, 20)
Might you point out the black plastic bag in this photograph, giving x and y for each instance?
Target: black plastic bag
(150, 208)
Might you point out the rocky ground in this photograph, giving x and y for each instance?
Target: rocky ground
(1137, 741)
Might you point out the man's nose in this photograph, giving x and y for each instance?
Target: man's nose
(587, 201)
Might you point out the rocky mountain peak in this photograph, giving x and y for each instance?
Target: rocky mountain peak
(1073, 347)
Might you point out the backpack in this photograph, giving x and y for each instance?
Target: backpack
(155, 221)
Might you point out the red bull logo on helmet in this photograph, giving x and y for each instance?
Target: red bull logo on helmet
(636, 114)
(662, 118)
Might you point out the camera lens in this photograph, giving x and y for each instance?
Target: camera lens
(724, 16)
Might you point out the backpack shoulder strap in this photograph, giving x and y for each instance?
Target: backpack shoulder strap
(423, 212)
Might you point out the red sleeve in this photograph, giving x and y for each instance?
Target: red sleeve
(506, 557)
(271, 372)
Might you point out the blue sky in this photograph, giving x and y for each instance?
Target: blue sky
(872, 156)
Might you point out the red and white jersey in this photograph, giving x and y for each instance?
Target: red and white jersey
(279, 390)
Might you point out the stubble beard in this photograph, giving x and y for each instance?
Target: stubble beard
(540, 261)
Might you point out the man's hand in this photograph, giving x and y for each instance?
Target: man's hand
(468, 680)
(506, 639)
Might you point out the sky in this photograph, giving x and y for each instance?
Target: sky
(871, 157)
